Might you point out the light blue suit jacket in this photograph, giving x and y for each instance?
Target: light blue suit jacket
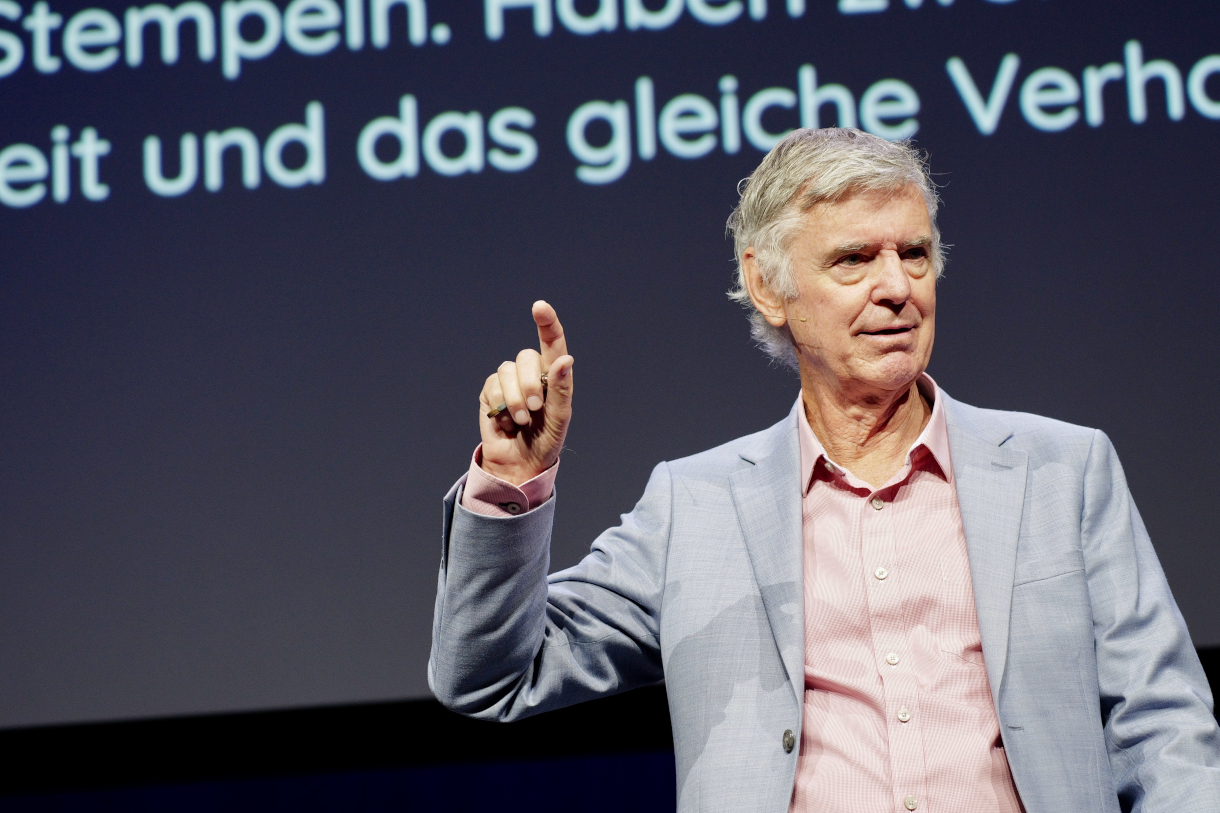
(1101, 700)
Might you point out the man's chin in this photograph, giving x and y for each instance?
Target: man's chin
(890, 374)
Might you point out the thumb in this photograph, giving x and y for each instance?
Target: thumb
(559, 396)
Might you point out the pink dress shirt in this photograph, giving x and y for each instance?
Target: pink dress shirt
(898, 713)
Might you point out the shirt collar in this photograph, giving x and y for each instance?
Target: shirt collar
(934, 437)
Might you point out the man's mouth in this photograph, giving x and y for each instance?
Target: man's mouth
(889, 331)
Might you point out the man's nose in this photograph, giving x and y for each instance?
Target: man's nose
(893, 285)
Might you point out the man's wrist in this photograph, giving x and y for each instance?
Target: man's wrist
(514, 475)
(487, 493)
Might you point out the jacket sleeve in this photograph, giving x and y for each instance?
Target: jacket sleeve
(1156, 706)
(508, 641)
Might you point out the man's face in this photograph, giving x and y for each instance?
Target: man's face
(867, 288)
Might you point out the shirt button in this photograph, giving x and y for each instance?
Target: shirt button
(878, 503)
(892, 659)
(511, 507)
(881, 573)
(911, 803)
(789, 741)
(830, 467)
(903, 715)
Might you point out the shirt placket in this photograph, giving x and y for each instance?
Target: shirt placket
(892, 648)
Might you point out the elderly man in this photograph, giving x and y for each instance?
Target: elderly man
(888, 601)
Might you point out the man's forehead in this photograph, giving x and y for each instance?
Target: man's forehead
(855, 198)
(866, 217)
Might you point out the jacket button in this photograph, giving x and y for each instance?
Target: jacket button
(789, 741)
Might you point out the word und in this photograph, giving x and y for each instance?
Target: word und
(311, 136)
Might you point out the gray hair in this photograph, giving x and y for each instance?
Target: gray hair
(806, 168)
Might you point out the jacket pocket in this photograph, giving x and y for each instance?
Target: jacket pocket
(1041, 568)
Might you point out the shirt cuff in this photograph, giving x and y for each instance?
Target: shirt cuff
(490, 496)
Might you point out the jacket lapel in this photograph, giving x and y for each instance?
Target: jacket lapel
(767, 497)
(991, 493)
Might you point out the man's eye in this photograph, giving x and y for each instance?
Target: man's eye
(852, 259)
(916, 253)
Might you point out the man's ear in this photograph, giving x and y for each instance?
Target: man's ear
(766, 301)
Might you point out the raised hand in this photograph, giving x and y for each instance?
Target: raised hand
(525, 438)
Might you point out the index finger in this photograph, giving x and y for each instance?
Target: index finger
(551, 342)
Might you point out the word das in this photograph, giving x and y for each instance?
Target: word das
(24, 168)
(93, 39)
(690, 126)
(1051, 98)
(516, 149)
(311, 136)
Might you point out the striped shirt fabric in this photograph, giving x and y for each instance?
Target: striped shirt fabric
(898, 714)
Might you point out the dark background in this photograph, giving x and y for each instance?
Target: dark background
(227, 419)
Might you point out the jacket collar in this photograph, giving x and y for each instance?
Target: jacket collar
(991, 477)
(767, 496)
